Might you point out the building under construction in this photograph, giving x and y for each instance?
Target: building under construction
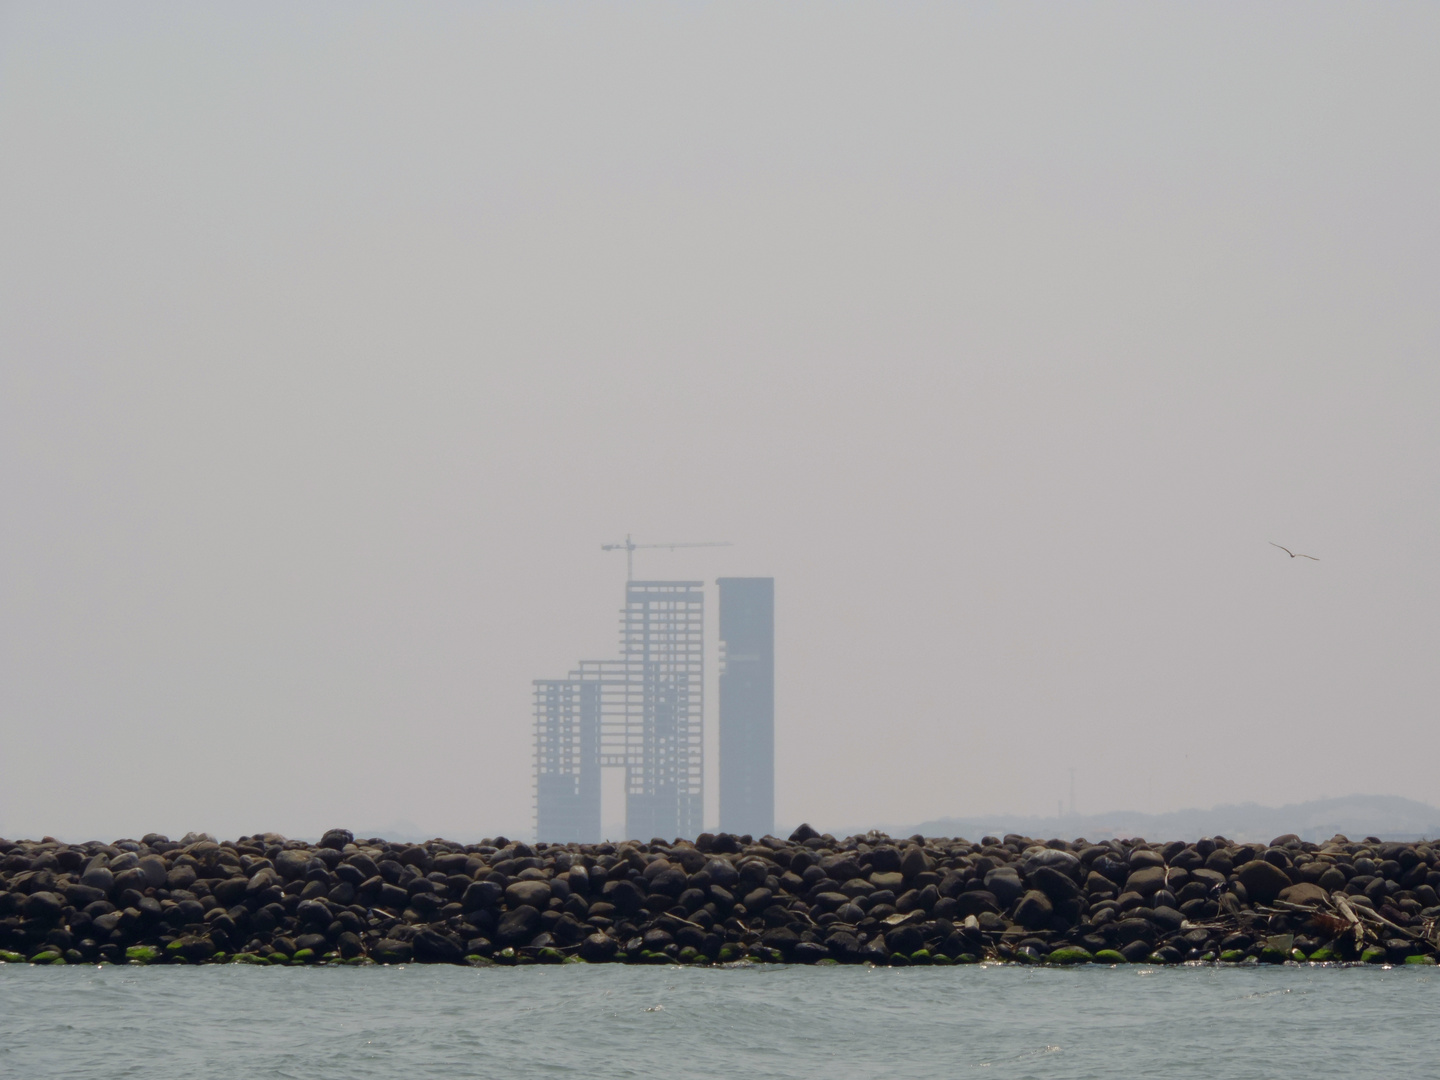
(642, 713)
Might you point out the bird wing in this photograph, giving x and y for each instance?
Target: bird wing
(1283, 548)
(1307, 557)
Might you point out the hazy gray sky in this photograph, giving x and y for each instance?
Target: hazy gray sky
(335, 339)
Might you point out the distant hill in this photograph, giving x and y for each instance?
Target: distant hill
(1388, 817)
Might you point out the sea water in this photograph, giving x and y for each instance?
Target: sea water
(1216, 1023)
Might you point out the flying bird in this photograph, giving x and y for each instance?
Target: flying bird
(1292, 554)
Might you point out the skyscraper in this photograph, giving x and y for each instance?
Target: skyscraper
(567, 760)
(747, 705)
(663, 642)
(643, 713)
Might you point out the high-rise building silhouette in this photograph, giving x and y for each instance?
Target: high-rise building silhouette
(643, 713)
(747, 705)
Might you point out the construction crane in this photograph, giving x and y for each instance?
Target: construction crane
(629, 547)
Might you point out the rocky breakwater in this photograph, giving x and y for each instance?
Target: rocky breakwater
(723, 898)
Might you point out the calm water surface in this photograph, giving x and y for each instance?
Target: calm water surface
(614, 1021)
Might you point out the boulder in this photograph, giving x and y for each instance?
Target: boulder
(885, 860)
(1005, 885)
(432, 947)
(337, 838)
(722, 872)
(1142, 857)
(843, 946)
(625, 897)
(1058, 885)
(1262, 880)
(974, 902)
(1167, 919)
(534, 893)
(598, 948)
(390, 951)
(905, 939)
(915, 861)
(45, 906)
(1063, 862)
(1034, 911)
(291, 863)
(481, 895)
(780, 937)
(1133, 929)
(155, 871)
(517, 926)
(1146, 881)
(809, 952)
(671, 881)
(1303, 893)
(313, 913)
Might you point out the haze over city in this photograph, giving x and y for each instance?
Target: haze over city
(335, 342)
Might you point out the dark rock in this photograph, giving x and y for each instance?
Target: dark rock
(390, 951)
(1220, 861)
(1127, 930)
(154, 870)
(809, 952)
(292, 863)
(758, 899)
(670, 882)
(1146, 881)
(80, 896)
(1004, 884)
(392, 897)
(875, 951)
(625, 897)
(1141, 857)
(803, 833)
(1034, 911)
(348, 945)
(534, 893)
(1262, 880)
(1057, 885)
(915, 861)
(313, 913)
(1167, 919)
(517, 926)
(1098, 883)
(780, 937)
(723, 873)
(337, 838)
(480, 895)
(432, 947)
(44, 906)
(885, 860)
(1061, 862)
(1303, 893)
(598, 948)
(229, 891)
(905, 939)
(843, 946)
(1136, 952)
(98, 877)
